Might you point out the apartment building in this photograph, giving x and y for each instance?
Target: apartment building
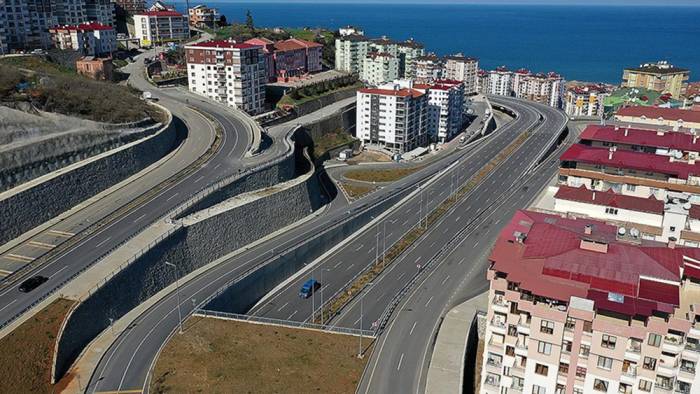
(483, 78)
(576, 307)
(408, 53)
(676, 119)
(379, 68)
(158, 27)
(585, 100)
(228, 72)
(465, 69)
(268, 52)
(542, 88)
(69, 12)
(445, 113)
(428, 68)
(100, 11)
(4, 48)
(350, 31)
(130, 7)
(500, 82)
(202, 16)
(95, 68)
(660, 76)
(295, 57)
(350, 53)
(392, 118)
(90, 39)
(27, 23)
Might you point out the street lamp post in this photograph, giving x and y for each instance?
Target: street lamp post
(384, 246)
(177, 287)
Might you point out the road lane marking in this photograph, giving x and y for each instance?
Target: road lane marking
(457, 219)
(476, 244)
(11, 302)
(432, 245)
(18, 257)
(337, 264)
(41, 245)
(357, 321)
(199, 179)
(293, 313)
(461, 261)
(400, 361)
(371, 250)
(139, 218)
(102, 243)
(60, 233)
(359, 247)
(401, 276)
(350, 266)
(217, 166)
(406, 222)
(282, 307)
(430, 299)
(418, 259)
(445, 280)
(389, 235)
(171, 197)
(56, 273)
(413, 328)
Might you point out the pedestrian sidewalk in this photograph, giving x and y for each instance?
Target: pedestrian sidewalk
(446, 370)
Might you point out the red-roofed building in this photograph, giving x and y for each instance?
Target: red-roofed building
(573, 307)
(158, 27)
(656, 116)
(90, 39)
(228, 72)
(585, 100)
(289, 59)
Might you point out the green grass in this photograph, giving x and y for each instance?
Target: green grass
(381, 175)
(330, 141)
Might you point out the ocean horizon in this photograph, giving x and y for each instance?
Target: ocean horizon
(586, 43)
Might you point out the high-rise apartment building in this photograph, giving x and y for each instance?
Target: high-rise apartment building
(465, 69)
(228, 72)
(155, 27)
(660, 76)
(352, 50)
(350, 53)
(90, 39)
(130, 7)
(100, 11)
(408, 52)
(202, 16)
(576, 306)
(585, 100)
(379, 67)
(392, 118)
(543, 88)
(445, 114)
(500, 82)
(428, 68)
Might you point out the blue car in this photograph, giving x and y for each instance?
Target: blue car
(309, 287)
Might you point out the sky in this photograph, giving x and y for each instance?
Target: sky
(497, 2)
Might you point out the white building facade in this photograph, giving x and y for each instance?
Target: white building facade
(155, 27)
(350, 53)
(445, 108)
(227, 72)
(379, 68)
(90, 39)
(465, 69)
(500, 82)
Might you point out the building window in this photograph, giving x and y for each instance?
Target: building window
(541, 369)
(544, 348)
(600, 385)
(578, 391)
(608, 341)
(563, 368)
(649, 363)
(605, 362)
(654, 340)
(538, 389)
(631, 188)
(570, 323)
(566, 346)
(611, 211)
(584, 350)
(581, 372)
(587, 326)
(547, 327)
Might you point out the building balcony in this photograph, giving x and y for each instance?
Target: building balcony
(492, 380)
(693, 346)
(516, 387)
(673, 343)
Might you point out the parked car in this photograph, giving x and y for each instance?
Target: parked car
(32, 283)
(309, 287)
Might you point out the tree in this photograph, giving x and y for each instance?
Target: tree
(222, 21)
(249, 24)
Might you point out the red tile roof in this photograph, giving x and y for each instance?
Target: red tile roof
(551, 263)
(641, 137)
(393, 92)
(223, 44)
(631, 160)
(159, 13)
(295, 44)
(665, 113)
(85, 27)
(610, 199)
(694, 211)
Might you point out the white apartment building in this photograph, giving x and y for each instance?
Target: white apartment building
(408, 53)
(500, 82)
(392, 119)
(445, 114)
(464, 69)
(585, 100)
(379, 67)
(576, 307)
(90, 39)
(350, 53)
(542, 88)
(428, 69)
(228, 72)
(155, 27)
(350, 31)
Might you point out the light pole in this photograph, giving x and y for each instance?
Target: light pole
(362, 299)
(321, 307)
(376, 252)
(384, 246)
(177, 287)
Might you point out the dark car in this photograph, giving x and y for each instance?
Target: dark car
(309, 287)
(32, 283)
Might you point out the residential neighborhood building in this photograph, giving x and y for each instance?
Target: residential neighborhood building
(465, 69)
(268, 50)
(130, 7)
(154, 27)
(379, 67)
(674, 118)
(100, 11)
(483, 78)
(4, 47)
(69, 12)
(660, 76)
(542, 88)
(202, 16)
(27, 24)
(228, 72)
(579, 306)
(350, 31)
(90, 39)
(585, 100)
(393, 119)
(445, 113)
(408, 52)
(500, 82)
(95, 67)
(428, 68)
(350, 53)
(289, 59)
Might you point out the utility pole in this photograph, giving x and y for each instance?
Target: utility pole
(177, 287)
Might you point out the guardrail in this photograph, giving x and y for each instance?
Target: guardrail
(285, 323)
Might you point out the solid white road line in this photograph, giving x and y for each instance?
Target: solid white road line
(292, 315)
(350, 266)
(413, 328)
(139, 218)
(171, 197)
(282, 307)
(199, 179)
(337, 264)
(56, 273)
(400, 361)
(102, 243)
(445, 280)
(430, 299)
(11, 302)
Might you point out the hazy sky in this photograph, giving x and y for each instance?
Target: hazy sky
(550, 2)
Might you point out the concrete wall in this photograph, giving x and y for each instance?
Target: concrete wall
(190, 247)
(33, 206)
(314, 105)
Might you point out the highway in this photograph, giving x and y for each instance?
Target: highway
(126, 364)
(226, 161)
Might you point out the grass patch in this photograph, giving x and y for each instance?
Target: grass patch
(26, 354)
(330, 141)
(356, 191)
(381, 175)
(220, 356)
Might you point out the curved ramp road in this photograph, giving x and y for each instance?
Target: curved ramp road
(227, 160)
(126, 364)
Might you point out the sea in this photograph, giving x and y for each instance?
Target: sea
(585, 43)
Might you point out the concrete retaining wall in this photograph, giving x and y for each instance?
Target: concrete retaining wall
(197, 243)
(28, 208)
(324, 101)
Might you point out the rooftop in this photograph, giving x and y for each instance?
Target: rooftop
(85, 27)
(610, 199)
(222, 44)
(651, 138)
(293, 44)
(159, 13)
(658, 68)
(554, 257)
(393, 92)
(658, 112)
